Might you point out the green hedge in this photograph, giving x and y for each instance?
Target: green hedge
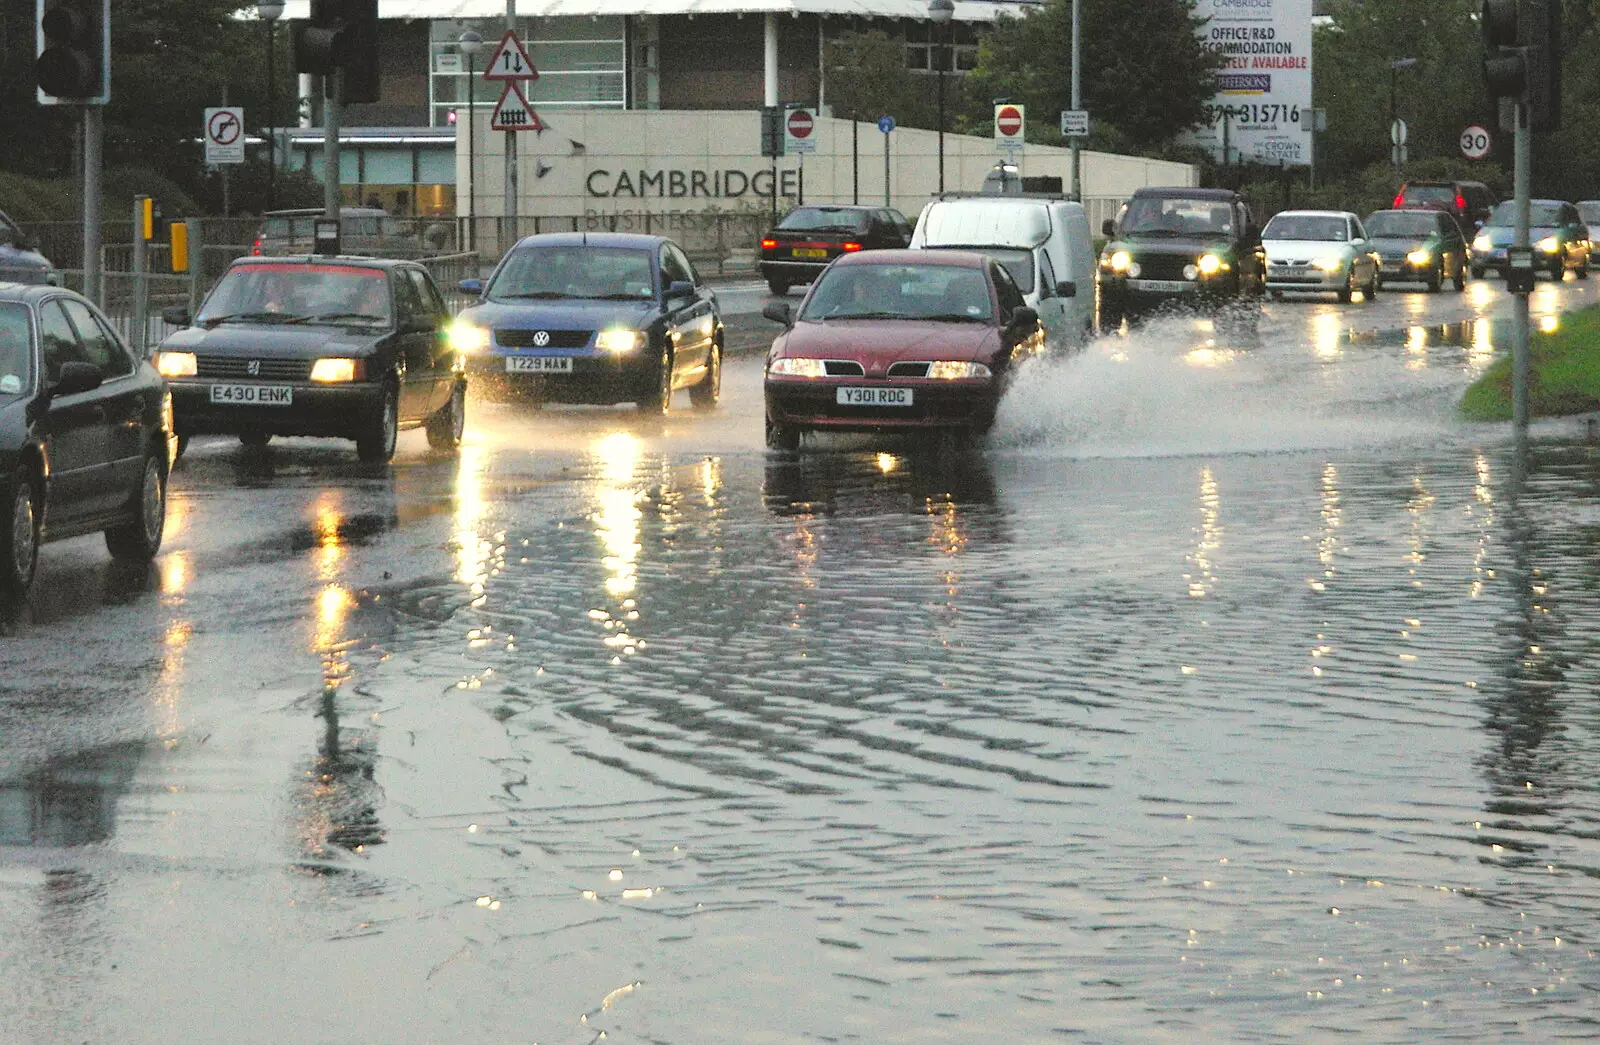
(1563, 373)
(61, 199)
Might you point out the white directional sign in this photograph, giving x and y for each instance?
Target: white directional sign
(1476, 142)
(510, 61)
(513, 113)
(1075, 123)
(224, 135)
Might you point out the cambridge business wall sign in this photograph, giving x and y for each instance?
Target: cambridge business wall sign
(1263, 101)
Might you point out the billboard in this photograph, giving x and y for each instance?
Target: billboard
(1262, 109)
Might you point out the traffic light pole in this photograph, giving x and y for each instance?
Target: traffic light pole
(332, 91)
(1523, 162)
(93, 137)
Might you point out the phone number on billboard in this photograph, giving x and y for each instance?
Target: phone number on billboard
(1250, 113)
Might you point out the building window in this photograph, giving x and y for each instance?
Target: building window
(581, 64)
(924, 53)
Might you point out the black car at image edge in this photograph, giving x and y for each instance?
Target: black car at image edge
(86, 436)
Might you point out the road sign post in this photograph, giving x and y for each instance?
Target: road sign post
(886, 125)
(510, 64)
(1008, 125)
(799, 131)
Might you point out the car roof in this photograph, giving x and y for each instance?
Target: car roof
(1186, 192)
(32, 293)
(1315, 214)
(954, 258)
(635, 240)
(351, 260)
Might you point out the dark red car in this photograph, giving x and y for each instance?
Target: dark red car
(897, 340)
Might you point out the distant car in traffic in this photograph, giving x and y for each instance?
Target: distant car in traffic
(1558, 236)
(85, 434)
(1468, 202)
(1589, 212)
(594, 318)
(1180, 247)
(1319, 251)
(807, 238)
(362, 230)
(897, 341)
(20, 260)
(1419, 246)
(342, 347)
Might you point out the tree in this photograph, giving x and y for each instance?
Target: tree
(868, 78)
(1145, 75)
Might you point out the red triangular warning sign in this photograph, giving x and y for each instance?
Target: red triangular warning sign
(513, 113)
(510, 61)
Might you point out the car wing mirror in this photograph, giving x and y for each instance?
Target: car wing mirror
(1108, 228)
(471, 286)
(1066, 289)
(76, 376)
(679, 288)
(778, 312)
(175, 315)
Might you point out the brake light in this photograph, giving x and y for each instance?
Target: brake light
(768, 244)
(1399, 198)
(255, 248)
(850, 248)
(1461, 203)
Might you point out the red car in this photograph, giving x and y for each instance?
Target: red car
(897, 340)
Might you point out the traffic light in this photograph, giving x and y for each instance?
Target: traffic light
(771, 131)
(341, 34)
(73, 63)
(1522, 56)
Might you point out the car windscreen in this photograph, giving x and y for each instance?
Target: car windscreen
(1154, 216)
(16, 351)
(1402, 225)
(574, 271)
(299, 293)
(1540, 214)
(1319, 227)
(823, 219)
(950, 293)
(1429, 195)
(1590, 213)
(1017, 262)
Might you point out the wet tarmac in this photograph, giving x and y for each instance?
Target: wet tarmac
(1233, 690)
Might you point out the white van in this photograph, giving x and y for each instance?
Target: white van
(1042, 241)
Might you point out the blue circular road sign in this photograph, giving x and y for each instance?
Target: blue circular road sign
(886, 124)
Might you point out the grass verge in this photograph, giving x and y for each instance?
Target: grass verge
(1563, 373)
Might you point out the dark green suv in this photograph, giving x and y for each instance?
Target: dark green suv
(1181, 247)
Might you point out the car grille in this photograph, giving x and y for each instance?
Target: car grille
(265, 369)
(511, 338)
(843, 368)
(1163, 266)
(908, 370)
(1300, 262)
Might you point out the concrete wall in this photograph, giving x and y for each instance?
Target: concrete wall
(613, 162)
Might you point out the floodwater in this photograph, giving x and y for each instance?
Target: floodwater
(1232, 691)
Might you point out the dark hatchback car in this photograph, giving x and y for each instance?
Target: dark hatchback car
(85, 433)
(1422, 246)
(1180, 247)
(898, 340)
(352, 348)
(594, 318)
(1469, 202)
(1558, 236)
(808, 238)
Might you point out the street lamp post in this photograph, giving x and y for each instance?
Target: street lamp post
(270, 11)
(1394, 114)
(469, 42)
(940, 12)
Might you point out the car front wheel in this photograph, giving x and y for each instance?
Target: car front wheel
(375, 444)
(781, 436)
(704, 395)
(21, 535)
(140, 537)
(657, 399)
(449, 422)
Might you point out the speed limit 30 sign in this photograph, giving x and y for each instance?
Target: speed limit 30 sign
(1475, 143)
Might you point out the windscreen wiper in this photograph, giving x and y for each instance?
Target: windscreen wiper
(254, 317)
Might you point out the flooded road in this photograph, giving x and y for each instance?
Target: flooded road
(1231, 691)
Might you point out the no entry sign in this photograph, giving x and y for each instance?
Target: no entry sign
(1008, 125)
(797, 131)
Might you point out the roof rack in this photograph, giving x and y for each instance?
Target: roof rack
(1062, 196)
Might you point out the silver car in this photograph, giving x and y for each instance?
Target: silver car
(1320, 251)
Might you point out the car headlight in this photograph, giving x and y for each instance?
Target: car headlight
(1482, 243)
(1330, 264)
(1420, 257)
(1120, 260)
(1549, 245)
(467, 337)
(1209, 264)
(797, 367)
(175, 364)
(619, 341)
(952, 370)
(337, 370)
